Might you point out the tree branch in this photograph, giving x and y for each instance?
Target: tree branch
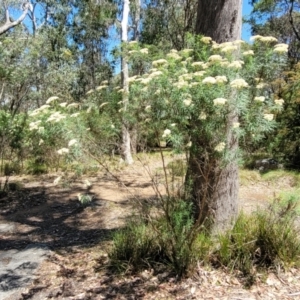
(10, 24)
(292, 20)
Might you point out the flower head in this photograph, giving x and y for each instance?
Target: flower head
(255, 37)
(215, 57)
(199, 73)
(34, 125)
(281, 48)
(144, 51)
(209, 80)
(197, 64)
(75, 115)
(56, 117)
(103, 104)
(202, 116)
(238, 83)
(235, 124)
(206, 39)
(249, 52)
(221, 79)
(73, 105)
(279, 102)
(187, 102)
(268, 39)
(154, 74)
(90, 92)
(269, 117)
(62, 151)
(174, 55)
(187, 51)
(238, 42)
(167, 132)
(101, 87)
(281, 45)
(229, 48)
(237, 64)
(72, 142)
(181, 84)
(261, 85)
(220, 147)
(259, 98)
(159, 62)
(51, 99)
(219, 101)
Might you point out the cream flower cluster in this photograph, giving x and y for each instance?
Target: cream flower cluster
(247, 53)
(38, 110)
(63, 151)
(279, 102)
(166, 133)
(56, 117)
(174, 56)
(269, 117)
(281, 48)
(51, 99)
(34, 125)
(239, 83)
(264, 39)
(220, 147)
(187, 101)
(219, 101)
(101, 87)
(236, 64)
(72, 142)
(259, 98)
(71, 105)
(206, 40)
(202, 116)
(159, 62)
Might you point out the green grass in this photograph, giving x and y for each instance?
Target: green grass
(263, 240)
(292, 178)
(279, 175)
(249, 176)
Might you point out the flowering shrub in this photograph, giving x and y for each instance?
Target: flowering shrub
(204, 93)
(208, 91)
(62, 132)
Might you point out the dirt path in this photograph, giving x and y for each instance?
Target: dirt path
(49, 213)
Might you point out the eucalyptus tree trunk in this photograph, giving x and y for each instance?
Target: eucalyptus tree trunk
(214, 186)
(126, 144)
(136, 36)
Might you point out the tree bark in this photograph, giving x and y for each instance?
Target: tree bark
(136, 36)
(126, 145)
(220, 19)
(214, 186)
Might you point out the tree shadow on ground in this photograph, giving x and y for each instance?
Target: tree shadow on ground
(41, 215)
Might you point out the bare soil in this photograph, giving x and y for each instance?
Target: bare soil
(43, 211)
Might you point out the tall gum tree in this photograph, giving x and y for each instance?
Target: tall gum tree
(212, 184)
(126, 144)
